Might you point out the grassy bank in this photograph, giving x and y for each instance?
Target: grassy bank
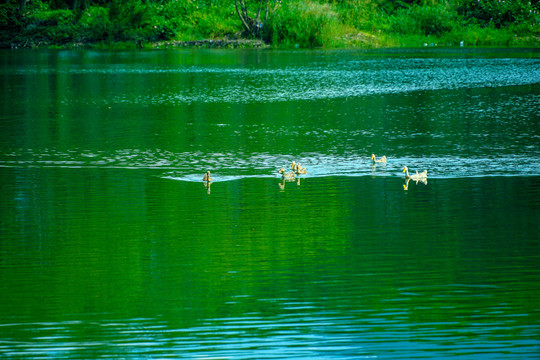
(303, 24)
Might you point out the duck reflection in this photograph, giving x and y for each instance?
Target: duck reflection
(208, 186)
(284, 181)
(407, 180)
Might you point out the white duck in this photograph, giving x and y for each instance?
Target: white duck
(416, 177)
(375, 160)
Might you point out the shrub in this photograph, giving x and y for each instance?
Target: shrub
(95, 24)
(423, 20)
(499, 13)
(367, 15)
(306, 24)
(9, 19)
(54, 17)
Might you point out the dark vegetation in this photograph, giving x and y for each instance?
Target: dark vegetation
(290, 23)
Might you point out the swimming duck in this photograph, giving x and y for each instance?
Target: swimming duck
(207, 177)
(287, 176)
(300, 169)
(375, 160)
(417, 177)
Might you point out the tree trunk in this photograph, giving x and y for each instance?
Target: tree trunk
(22, 5)
(78, 8)
(252, 24)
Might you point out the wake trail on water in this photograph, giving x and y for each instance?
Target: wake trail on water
(233, 166)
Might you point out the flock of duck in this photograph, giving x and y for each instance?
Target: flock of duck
(416, 177)
(297, 169)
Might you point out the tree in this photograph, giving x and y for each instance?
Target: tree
(254, 20)
(22, 5)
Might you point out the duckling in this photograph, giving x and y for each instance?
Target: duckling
(287, 176)
(207, 177)
(375, 160)
(301, 170)
(417, 177)
(298, 168)
(294, 165)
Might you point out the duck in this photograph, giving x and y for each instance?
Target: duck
(375, 160)
(207, 177)
(287, 176)
(417, 177)
(300, 169)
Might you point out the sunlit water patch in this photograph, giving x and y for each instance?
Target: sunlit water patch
(231, 166)
(315, 80)
(303, 330)
(338, 80)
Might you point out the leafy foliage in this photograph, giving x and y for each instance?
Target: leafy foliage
(304, 24)
(290, 23)
(499, 13)
(424, 20)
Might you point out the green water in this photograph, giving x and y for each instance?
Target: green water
(111, 246)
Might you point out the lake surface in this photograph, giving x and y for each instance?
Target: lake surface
(111, 246)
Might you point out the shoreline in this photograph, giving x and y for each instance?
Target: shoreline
(204, 43)
(230, 44)
(366, 42)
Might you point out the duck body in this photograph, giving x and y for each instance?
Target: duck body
(418, 176)
(298, 168)
(287, 176)
(375, 160)
(207, 177)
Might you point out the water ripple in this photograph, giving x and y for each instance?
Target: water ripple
(312, 81)
(231, 166)
(299, 335)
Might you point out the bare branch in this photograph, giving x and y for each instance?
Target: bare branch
(242, 14)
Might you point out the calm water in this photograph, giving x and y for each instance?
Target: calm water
(112, 247)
